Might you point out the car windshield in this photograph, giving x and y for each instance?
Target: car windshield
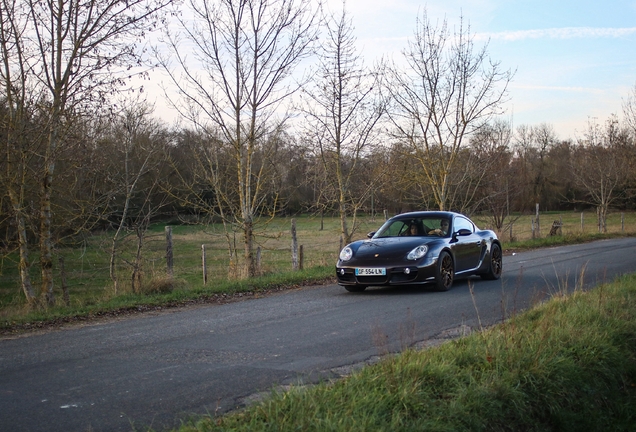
(424, 226)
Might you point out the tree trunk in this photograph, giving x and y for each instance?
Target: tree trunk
(137, 266)
(65, 294)
(46, 245)
(248, 234)
(344, 229)
(25, 265)
(112, 266)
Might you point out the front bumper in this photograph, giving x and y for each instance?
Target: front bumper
(398, 275)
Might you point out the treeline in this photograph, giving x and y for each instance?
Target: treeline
(147, 171)
(253, 139)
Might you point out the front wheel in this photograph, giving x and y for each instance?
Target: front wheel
(496, 263)
(355, 288)
(445, 272)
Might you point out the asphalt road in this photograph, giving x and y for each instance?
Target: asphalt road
(156, 370)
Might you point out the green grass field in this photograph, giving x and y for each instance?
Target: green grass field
(86, 266)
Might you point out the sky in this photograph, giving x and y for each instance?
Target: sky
(574, 61)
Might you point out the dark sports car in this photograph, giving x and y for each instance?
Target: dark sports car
(418, 248)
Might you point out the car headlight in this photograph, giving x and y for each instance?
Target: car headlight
(346, 254)
(417, 253)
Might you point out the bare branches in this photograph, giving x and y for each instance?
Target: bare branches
(342, 109)
(60, 57)
(86, 47)
(19, 138)
(600, 166)
(234, 85)
(629, 110)
(449, 91)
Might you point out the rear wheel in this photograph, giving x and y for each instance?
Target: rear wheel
(445, 272)
(496, 263)
(355, 288)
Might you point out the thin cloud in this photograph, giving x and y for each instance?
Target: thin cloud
(560, 88)
(559, 33)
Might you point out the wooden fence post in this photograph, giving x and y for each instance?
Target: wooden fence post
(301, 257)
(538, 222)
(622, 222)
(204, 264)
(294, 245)
(533, 229)
(169, 258)
(582, 223)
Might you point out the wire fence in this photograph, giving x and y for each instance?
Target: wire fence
(87, 269)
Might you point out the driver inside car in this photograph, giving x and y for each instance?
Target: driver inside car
(443, 230)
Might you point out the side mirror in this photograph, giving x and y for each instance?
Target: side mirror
(371, 234)
(463, 232)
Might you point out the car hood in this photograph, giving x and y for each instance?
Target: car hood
(388, 249)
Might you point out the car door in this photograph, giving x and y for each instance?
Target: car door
(467, 247)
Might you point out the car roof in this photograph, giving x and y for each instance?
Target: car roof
(423, 214)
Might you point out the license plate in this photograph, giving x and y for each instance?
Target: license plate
(370, 272)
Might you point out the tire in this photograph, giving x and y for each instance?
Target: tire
(445, 272)
(496, 263)
(355, 288)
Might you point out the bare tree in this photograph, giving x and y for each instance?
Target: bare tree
(204, 182)
(629, 110)
(533, 145)
(16, 121)
(81, 45)
(544, 139)
(233, 88)
(448, 90)
(342, 108)
(493, 153)
(135, 141)
(629, 113)
(600, 167)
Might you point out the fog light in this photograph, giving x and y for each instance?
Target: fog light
(407, 270)
(342, 272)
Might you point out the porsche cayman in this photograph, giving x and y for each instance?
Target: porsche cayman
(420, 248)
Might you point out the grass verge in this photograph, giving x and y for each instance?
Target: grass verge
(568, 364)
(179, 294)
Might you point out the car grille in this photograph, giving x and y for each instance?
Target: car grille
(372, 279)
(395, 276)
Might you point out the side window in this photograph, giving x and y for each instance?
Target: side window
(463, 223)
